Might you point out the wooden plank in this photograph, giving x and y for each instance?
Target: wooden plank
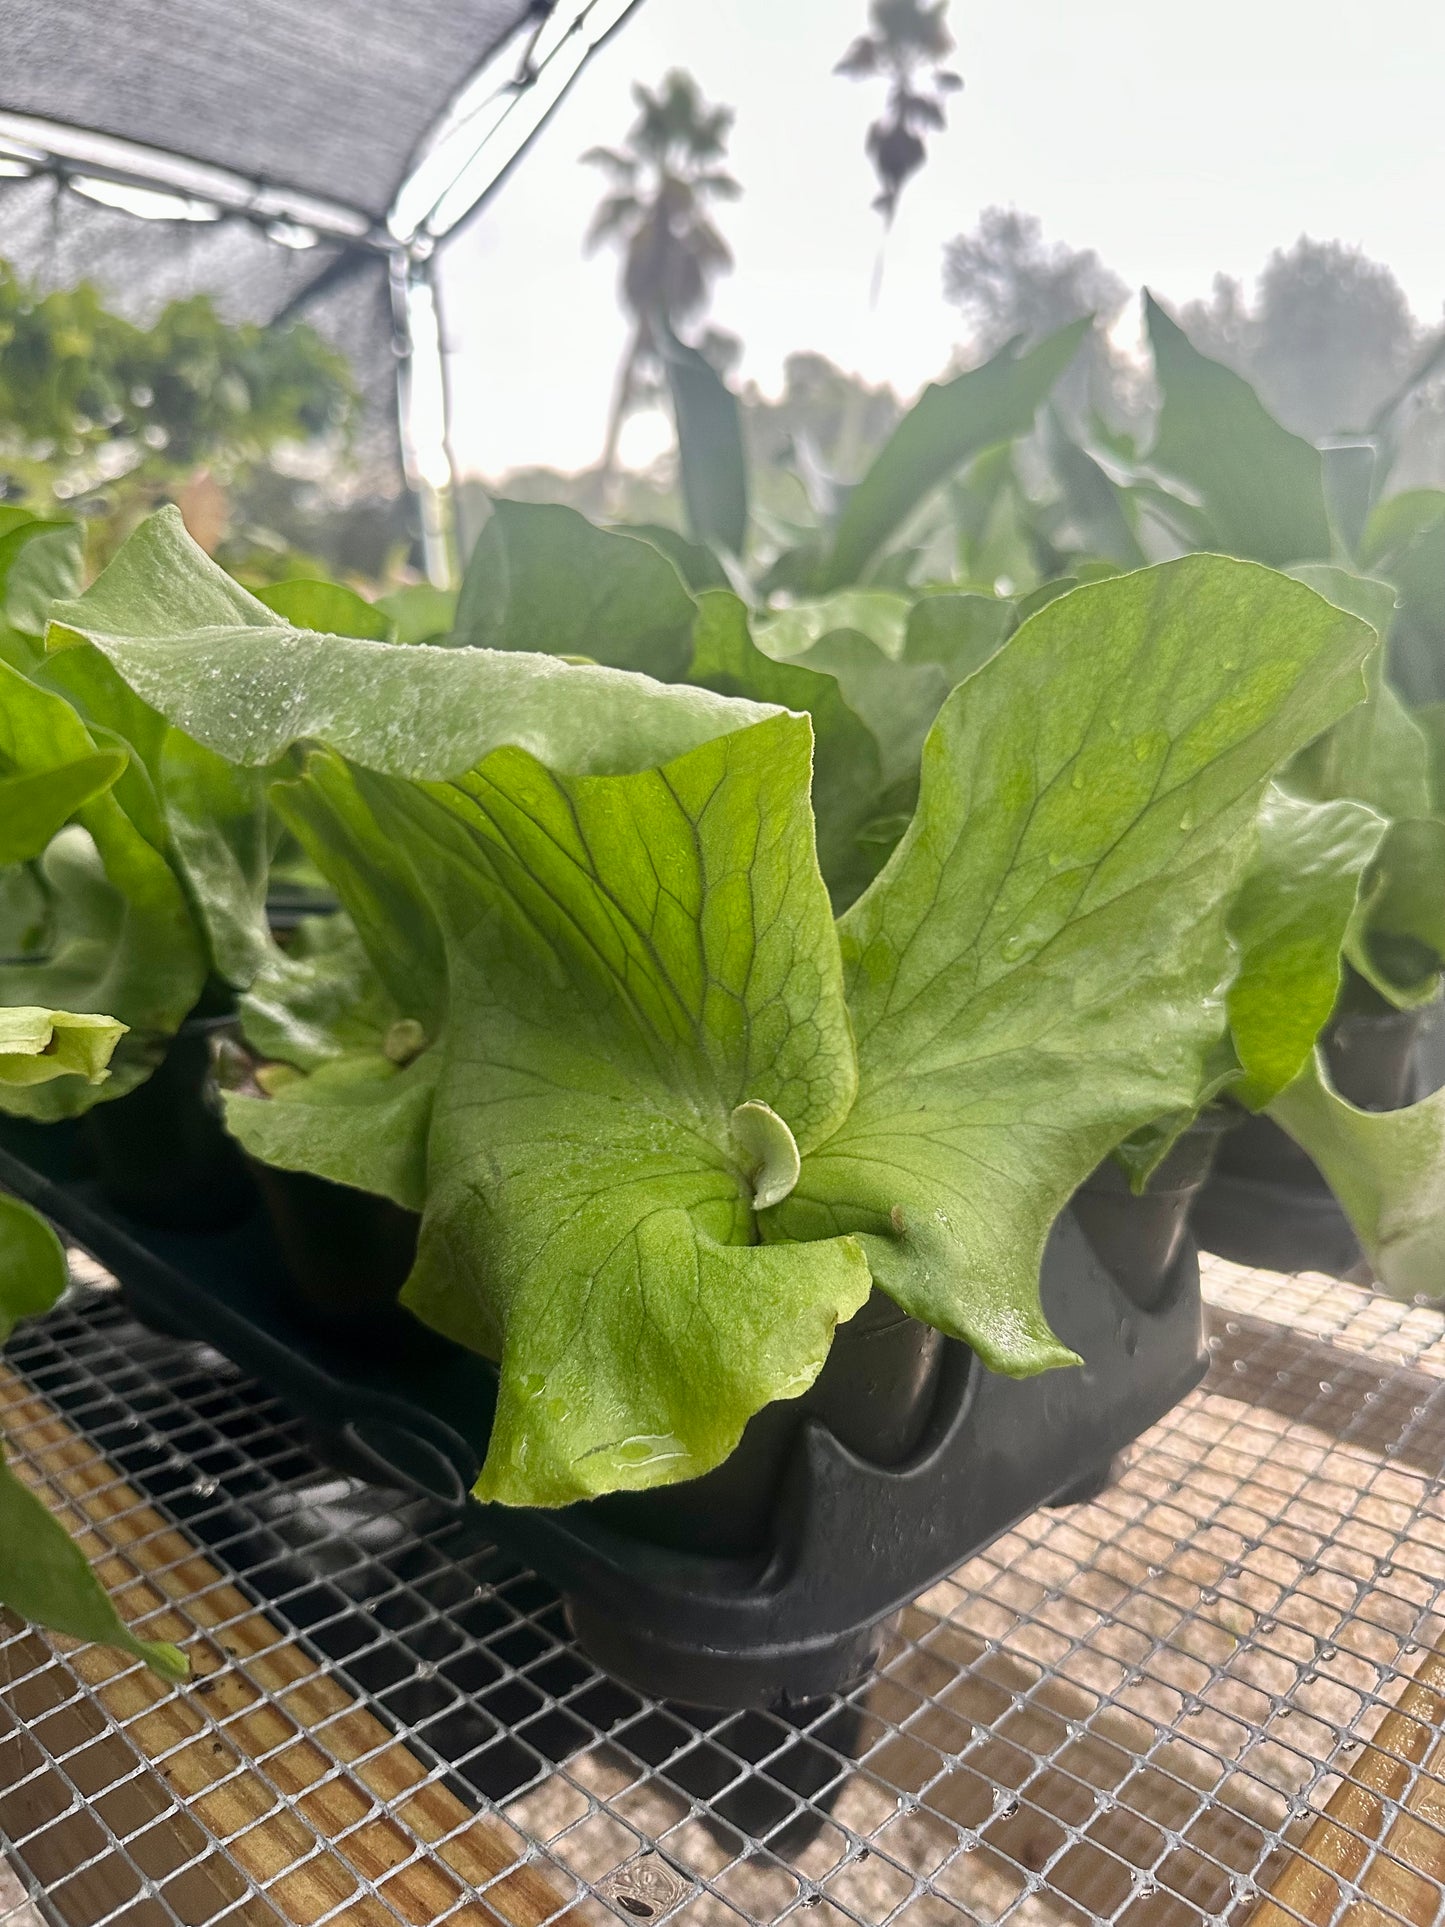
(16, 1908)
(1007, 1726)
(265, 1772)
(1402, 1769)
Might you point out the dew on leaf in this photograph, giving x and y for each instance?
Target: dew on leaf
(650, 1448)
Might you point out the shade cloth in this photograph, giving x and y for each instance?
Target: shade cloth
(327, 101)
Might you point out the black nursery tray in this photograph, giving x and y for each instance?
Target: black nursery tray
(851, 1542)
(1277, 1227)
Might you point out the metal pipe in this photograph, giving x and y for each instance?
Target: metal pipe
(422, 409)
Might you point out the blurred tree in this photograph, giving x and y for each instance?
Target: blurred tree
(1008, 281)
(908, 43)
(822, 416)
(1327, 338)
(100, 414)
(821, 413)
(661, 184)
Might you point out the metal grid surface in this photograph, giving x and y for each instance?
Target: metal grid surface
(1210, 1695)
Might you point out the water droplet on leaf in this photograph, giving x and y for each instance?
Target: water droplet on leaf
(650, 1448)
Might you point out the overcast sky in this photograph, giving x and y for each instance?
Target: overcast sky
(1176, 140)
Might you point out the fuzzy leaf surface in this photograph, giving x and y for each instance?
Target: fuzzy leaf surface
(231, 673)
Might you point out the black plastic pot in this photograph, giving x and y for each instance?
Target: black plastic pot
(347, 1253)
(1139, 1238)
(1267, 1202)
(795, 1607)
(874, 1395)
(161, 1153)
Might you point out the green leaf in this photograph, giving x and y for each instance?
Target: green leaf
(1093, 502)
(880, 614)
(358, 1119)
(632, 959)
(330, 811)
(203, 815)
(847, 774)
(34, 806)
(206, 817)
(1351, 473)
(1036, 973)
(988, 515)
(697, 565)
(1416, 651)
(1262, 487)
(1047, 592)
(950, 423)
(1364, 596)
(1379, 755)
(33, 1273)
(112, 711)
(43, 1577)
(958, 632)
(122, 939)
(215, 815)
(542, 578)
(418, 613)
(1387, 1168)
(39, 562)
(359, 1116)
(222, 667)
(318, 998)
(1395, 524)
(1429, 719)
(769, 1150)
(711, 460)
(897, 700)
(1397, 940)
(326, 607)
(1289, 921)
(1376, 754)
(38, 1045)
(862, 638)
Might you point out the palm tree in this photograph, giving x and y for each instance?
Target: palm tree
(908, 44)
(656, 210)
